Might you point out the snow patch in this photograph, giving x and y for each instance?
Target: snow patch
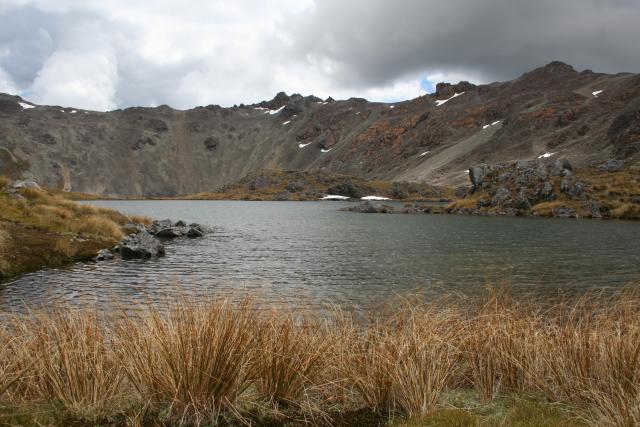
(334, 197)
(357, 112)
(485, 126)
(325, 151)
(303, 145)
(439, 102)
(272, 112)
(545, 155)
(62, 111)
(287, 122)
(596, 93)
(495, 123)
(425, 153)
(260, 108)
(26, 106)
(73, 111)
(374, 198)
(391, 106)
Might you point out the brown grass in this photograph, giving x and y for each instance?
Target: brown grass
(200, 363)
(45, 228)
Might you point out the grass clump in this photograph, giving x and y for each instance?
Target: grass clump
(43, 228)
(497, 362)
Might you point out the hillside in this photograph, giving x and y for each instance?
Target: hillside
(307, 185)
(554, 110)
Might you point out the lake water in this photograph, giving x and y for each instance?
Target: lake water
(310, 253)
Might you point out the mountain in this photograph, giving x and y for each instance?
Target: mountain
(551, 111)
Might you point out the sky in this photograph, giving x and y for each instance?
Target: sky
(109, 54)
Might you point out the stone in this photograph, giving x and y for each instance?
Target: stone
(157, 226)
(103, 255)
(564, 213)
(502, 195)
(367, 207)
(26, 184)
(141, 245)
(180, 223)
(594, 208)
(611, 165)
(194, 233)
(171, 232)
(477, 174)
(635, 200)
(571, 188)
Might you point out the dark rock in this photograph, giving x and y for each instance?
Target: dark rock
(594, 208)
(367, 207)
(141, 245)
(571, 188)
(259, 183)
(502, 195)
(347, 188)
(520, 202)
(157, 226)
(211, 143)
(103, 255)
(282, 197)
(295, 186)
(611, 165)
(171, 232)
(564, 213)
(477, 174)
(461, 192)
(194, 232)
(180, 223)
(635, 200)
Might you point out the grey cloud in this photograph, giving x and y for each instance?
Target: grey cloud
(375, 41)
(348, 47)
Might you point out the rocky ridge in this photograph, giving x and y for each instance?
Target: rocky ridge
(552, 111)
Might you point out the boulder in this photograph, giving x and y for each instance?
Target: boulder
(141, 245)
(477, 174)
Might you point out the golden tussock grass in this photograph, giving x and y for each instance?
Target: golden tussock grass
(99, 226)
(219, 360)
(4, 249)
(64, 247)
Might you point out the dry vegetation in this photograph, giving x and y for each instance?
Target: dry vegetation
(616, 193)
(312, 185)
(40, 227)
(449, 362)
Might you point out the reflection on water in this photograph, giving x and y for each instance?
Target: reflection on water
(308, 253)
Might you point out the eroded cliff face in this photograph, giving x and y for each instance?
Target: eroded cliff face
(551, 111)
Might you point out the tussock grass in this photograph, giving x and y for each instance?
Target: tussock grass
(39, 227)
(5, 240)
(570, 363)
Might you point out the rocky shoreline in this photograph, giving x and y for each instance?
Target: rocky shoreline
(147, 242)
(541, 187)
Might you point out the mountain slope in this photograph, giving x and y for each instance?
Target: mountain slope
(434, 138)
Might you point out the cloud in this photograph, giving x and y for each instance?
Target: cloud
(109, 54)
(374, 41)
(77, 79)
(6, 83)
